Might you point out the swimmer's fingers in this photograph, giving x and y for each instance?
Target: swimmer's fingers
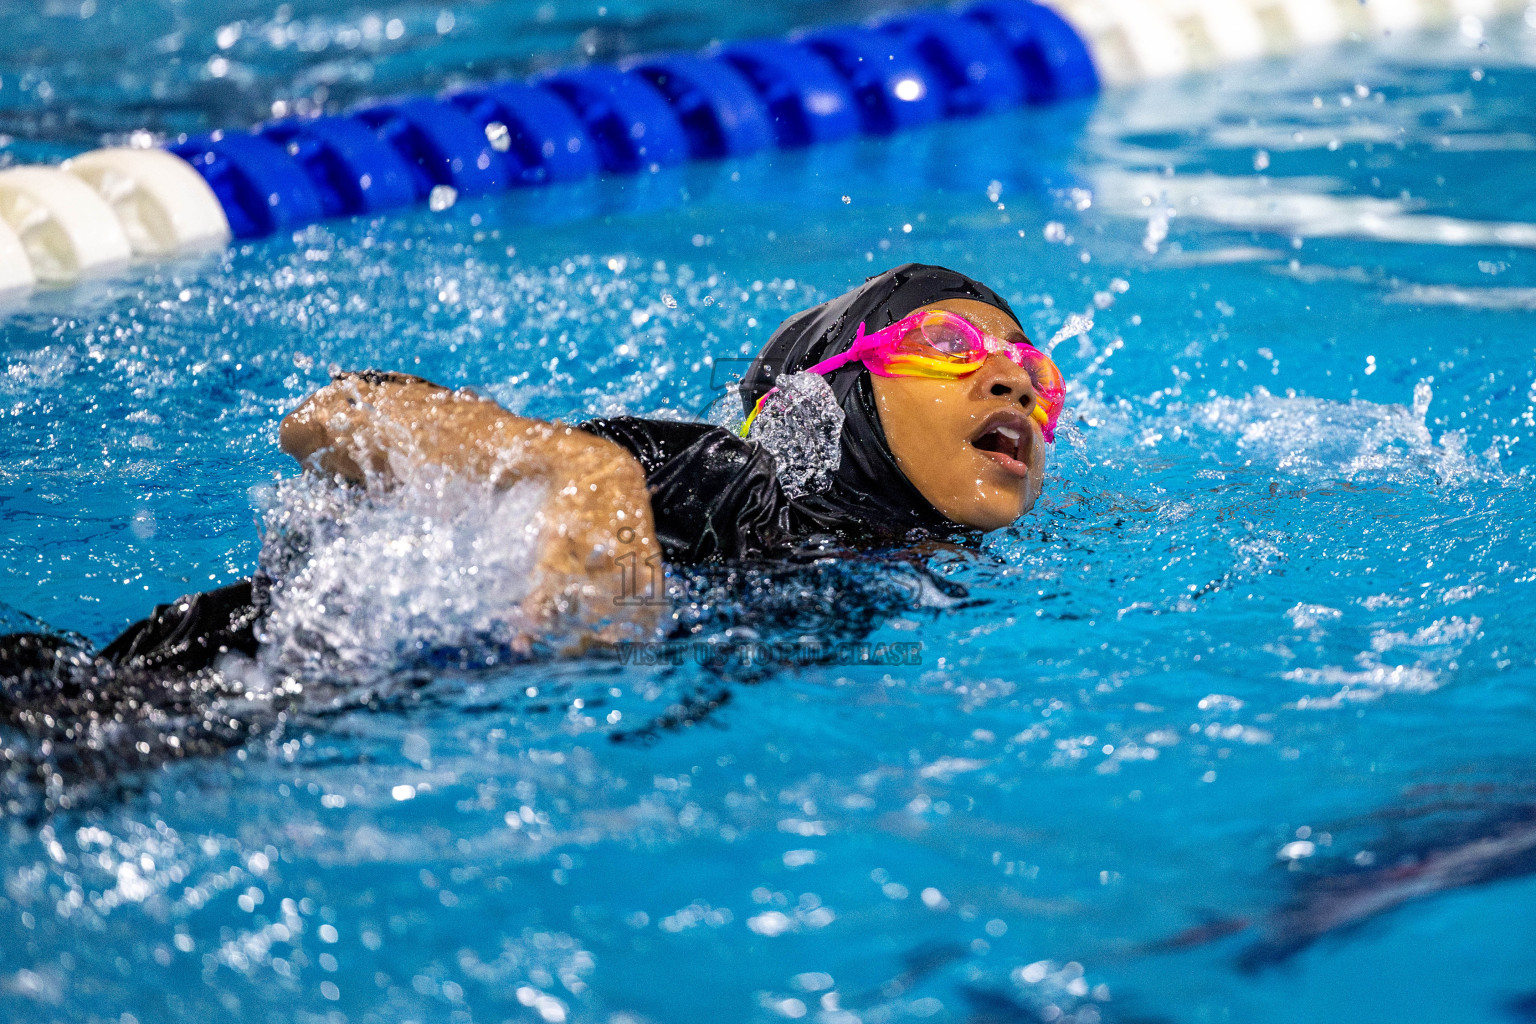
(319, 434)
(355, 426)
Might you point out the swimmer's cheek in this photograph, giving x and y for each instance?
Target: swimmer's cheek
(1035, 488)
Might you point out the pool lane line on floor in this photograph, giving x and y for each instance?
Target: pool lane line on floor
(95, 212)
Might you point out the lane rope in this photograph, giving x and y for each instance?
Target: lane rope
(99, 209)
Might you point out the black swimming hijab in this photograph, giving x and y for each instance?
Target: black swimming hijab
(869, 490)
(716, 496)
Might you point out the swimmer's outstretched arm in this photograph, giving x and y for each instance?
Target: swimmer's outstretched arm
(376, 428)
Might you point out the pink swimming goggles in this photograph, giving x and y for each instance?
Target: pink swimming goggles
(941, 345)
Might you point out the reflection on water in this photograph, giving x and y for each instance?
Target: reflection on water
(1301, 207)
(1481, 843)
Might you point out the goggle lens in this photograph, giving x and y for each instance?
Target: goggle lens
(943, 345)
(948, 346)
(947, 337)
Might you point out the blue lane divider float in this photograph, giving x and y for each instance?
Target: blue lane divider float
(974, 72)
(539, 135)
(626, 116)
(654, 111)
(1054, 58)
(441, 144)
(354, 170)
(720, 112)
(806, 99)
(260, 187)
(895, 88)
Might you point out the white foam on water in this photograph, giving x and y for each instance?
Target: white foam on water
(1308, 616)
(25, 374)
(1353, 439)
(365, 581)
(1222, 256)
(1450, 633)
(1437, 648)
(1302, 207)
(1294, 433)
(1367, 682)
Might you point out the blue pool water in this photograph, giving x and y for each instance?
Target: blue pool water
(1236, 727)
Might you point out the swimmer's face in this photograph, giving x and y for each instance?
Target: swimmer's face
(955, 439)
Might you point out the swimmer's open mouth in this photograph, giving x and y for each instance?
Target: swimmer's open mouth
(1005, 439)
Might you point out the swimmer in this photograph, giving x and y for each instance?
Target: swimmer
(942, 408)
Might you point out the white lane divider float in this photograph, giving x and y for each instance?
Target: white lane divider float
(1134, 40)
(1290, 25)
(15, 269)
(1394, 15)
(163, 205)
(1217, 31)
(64, 227)
(1130, 40)
(1304, 22)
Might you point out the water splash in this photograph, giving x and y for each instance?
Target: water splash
(1320, 438)
(726, 411)
(1077, 326)
(802, 425)
(365, 582)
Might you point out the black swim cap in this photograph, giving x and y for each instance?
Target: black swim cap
(869, 495)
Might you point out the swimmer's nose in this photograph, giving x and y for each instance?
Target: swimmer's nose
(1001, 377)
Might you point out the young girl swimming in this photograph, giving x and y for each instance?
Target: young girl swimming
(934, 409)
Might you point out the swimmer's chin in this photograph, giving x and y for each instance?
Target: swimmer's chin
(996, 512)
(989, 524)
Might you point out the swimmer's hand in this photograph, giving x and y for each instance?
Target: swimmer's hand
(377, 429)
